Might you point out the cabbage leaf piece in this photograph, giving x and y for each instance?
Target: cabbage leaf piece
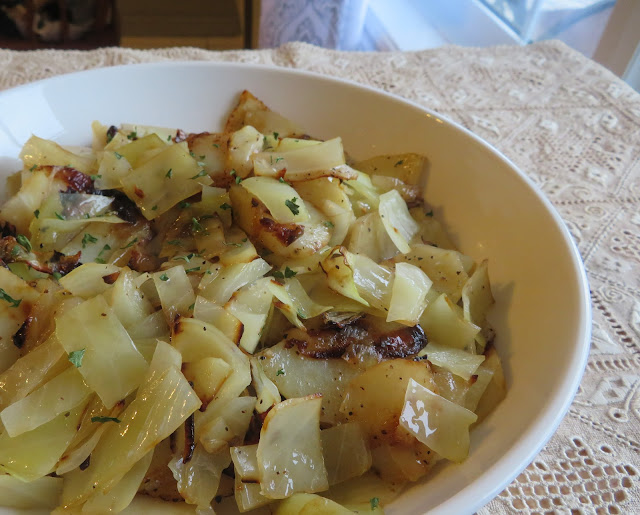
(408, 294)
(396, 219)
(34, 454)
(164, 180)
(346, 452)
(436, 422)
(111, 364)
(290, 451)
(199, 478)
(121, 495)
(61, 394)
(274, 194)
(161, 405)
(43, 493)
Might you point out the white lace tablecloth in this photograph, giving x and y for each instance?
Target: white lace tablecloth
(575, 129)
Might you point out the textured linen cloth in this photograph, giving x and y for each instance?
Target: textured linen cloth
(574, 128)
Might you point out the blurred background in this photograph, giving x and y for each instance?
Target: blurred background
(608, 31)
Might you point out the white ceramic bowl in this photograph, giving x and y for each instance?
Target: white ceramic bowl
(542, 316)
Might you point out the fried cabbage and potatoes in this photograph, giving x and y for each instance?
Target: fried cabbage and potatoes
(246, 317)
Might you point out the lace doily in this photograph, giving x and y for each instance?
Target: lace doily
(575, 128)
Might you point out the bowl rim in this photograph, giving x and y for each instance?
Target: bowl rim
(508, 466)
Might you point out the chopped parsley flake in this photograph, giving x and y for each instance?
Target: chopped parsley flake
(288, 273)
(430, 213)
(33, 168)
(59, 216)
(105, 419)
(169, 137)
(132, 135)
(216, 145)
(328, 224)
(131, 243)
(374, 502)
(280, 372)
(202, 173)
(75, 357)
(225, 206)
(154, 207)
(24, 241)
(279, 159)
(169, 174)
(36, 213)
(275, 135)
(186, 258)
(291, 204)
(164, 277)
(15, 250)
(232, 244)
(118, 156)
(7, 298)
(184, 204)
(175, 243)
(194, 269)
(99, 258)
(56, 275)
(94, 177)
(88, 238)
(399, 162)
(196, 226)
(192, 306)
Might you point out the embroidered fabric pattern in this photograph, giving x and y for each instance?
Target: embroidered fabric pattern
(574, 128)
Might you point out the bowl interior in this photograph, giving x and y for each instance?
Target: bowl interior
(542, 315)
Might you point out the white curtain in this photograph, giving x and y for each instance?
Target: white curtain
(328, 23)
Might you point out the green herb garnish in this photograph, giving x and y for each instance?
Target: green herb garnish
(24, 241)
(175, 243)
(288, 273)
(75, 357)
(7, 298)
(194, 269)
(169, 174)
(118, 156)
(328, 224)
(88, 238)
(280, 372)
(225, 206)
(399, 162)
(33, 168)
(36, 213)
(202, 173)
(105, 419)
(164, 277)
(59, 216)
(291, 204)
(131, 243)
(132, 135)
(94, 177)
(196, 226)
